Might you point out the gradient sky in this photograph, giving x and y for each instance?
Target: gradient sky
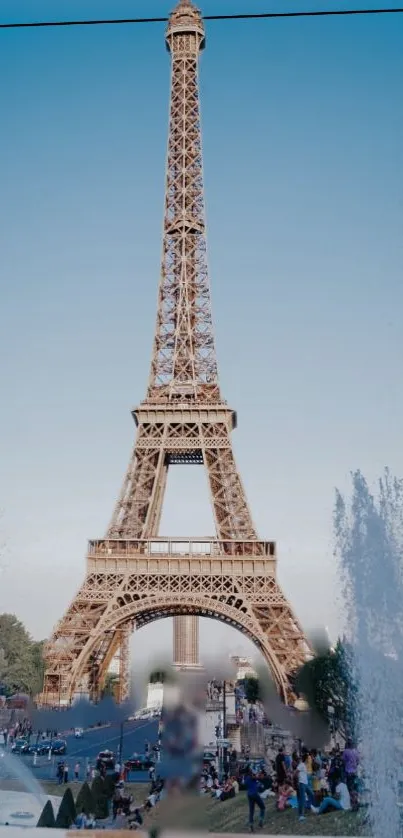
(303, 139)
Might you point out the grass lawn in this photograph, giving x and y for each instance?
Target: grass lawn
(232, 816)
(206, 813)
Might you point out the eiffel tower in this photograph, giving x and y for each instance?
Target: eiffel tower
(135, 576)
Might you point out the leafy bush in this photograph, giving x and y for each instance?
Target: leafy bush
(47, 818)
(251, 687)
(99, 792)
(109, 785)
(67, 811)
(85, 801)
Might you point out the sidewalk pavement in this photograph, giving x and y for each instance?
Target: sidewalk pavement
(178, 834)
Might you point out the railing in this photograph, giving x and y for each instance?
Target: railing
(156, 547)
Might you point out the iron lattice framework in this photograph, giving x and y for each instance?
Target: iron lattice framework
(133, 576)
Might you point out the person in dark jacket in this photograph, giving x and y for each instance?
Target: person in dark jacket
(252, 786)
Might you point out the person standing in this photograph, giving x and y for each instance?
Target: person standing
(254, 799)
(341, 800)
(66, 773)
(309, 768)
(60, 773)
(305, 796)
(350, 760)
(281, 770)
(77, 771)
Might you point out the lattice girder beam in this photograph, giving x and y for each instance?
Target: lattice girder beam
(202, 432)
(219, 585)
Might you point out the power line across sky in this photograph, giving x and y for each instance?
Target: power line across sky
(246, 16)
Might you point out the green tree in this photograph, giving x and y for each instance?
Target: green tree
(3, 671)
(47, 818)
(21, 665)
(67, 811)
(157, 677)
(100, 795)
(37, 649)
(327, 683)
(85, 801)
(251, 687)
(110, 685)
(109, 786)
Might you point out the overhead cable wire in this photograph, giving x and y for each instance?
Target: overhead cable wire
(247, 16)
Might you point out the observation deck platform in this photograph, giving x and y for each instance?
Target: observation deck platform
(183, 555)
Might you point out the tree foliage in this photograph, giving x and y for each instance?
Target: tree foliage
(21, 663)
(47, 818)
(100, 794)
(110, 785)
(85, 801)
(252, 692)
(327, 683)
(110, 686)
(157, 677)
(67, 811)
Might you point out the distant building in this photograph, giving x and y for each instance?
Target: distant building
(155, 695)
(114, 667)
(244, 668)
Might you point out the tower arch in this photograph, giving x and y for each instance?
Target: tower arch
(136, 614)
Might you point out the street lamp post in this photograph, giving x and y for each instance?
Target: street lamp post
(121, 744)
(224, 727)
(330, 710)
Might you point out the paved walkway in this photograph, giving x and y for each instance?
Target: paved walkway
(176, 834)
(5, 832)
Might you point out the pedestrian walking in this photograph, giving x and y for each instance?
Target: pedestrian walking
(66, 773)
(77, 771)
(60, 773)
(254, 799)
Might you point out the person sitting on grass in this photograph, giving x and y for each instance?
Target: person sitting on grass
(135, 818)
(286, 794)
(341, 800)
(231, 788)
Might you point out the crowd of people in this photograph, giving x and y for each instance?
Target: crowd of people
(305, 781)
(21, 729)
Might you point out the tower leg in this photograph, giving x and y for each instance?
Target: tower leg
(124, 665)
(186, 643)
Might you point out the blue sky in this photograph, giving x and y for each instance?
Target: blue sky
(303, 130)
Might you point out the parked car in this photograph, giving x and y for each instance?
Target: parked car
(107, 758)
(59, 747)
(41, 747)
(140, 762)
(78, 733)
(20, 746)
